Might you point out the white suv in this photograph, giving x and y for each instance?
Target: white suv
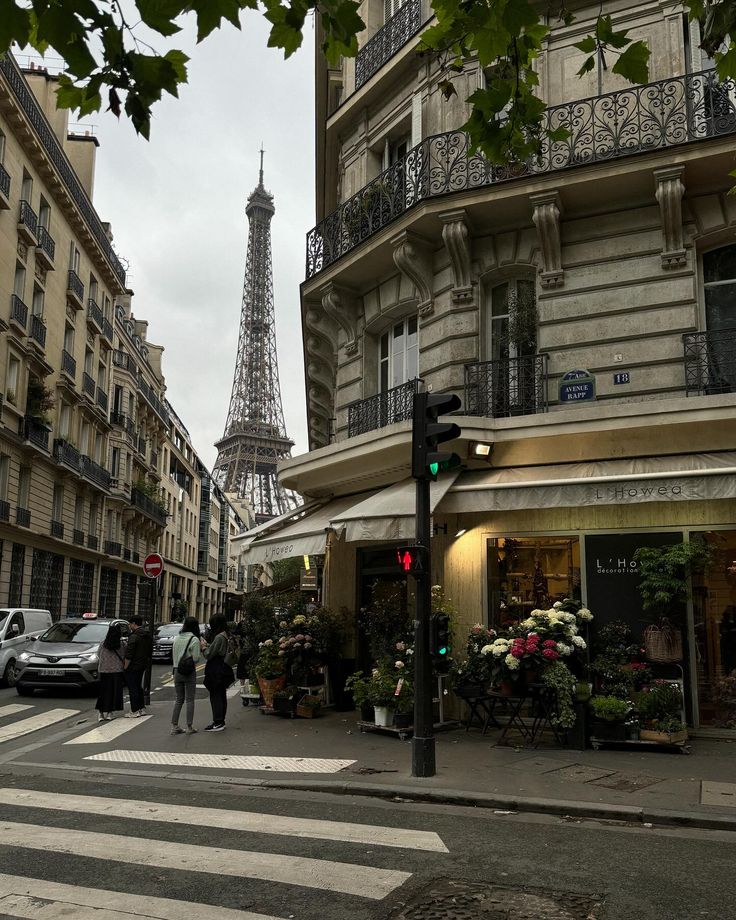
(18, 627)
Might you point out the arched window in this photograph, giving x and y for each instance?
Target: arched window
(511, 320)
(719, 283)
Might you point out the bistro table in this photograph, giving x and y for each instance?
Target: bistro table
(531, 712)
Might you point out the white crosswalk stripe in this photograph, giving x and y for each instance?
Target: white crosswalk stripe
(227, 819)
(226, 761)
(12, 708)
(34, 723)
(108, 731)
(38, 899)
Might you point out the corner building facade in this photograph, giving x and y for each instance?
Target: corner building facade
(581, 306)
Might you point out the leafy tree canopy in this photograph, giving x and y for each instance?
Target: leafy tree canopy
(100, 42)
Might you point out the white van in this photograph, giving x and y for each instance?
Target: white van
(18, 627)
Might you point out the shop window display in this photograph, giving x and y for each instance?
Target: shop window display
(528, 573)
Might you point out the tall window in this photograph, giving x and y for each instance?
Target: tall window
(26, 189)
(78, 512)
(89, 361)
(719, 286)
(24, 486)
(93, 288)
(65, 420)
(69, 339)
(84, 440)
(2, 147)
(12, 379)
(57, 504)
(19, 283)
(510, 320)
(73, 258)
(94, 513)
(44, 214)
(4, 476)
(38, 301)
(399, 354)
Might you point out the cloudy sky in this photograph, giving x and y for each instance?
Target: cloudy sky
(177, 208)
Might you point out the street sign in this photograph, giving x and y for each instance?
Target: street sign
(577, 386)
(153, 565)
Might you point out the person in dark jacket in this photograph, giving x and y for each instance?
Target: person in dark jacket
(218, 675)
(137, 657)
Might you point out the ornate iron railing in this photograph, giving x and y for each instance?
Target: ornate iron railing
(4, 511)
(148, 506)
(668, 113)
(102, 399)
(78, 537)
(154, 459)
(75, 285)
(68, 364)
(4, 181)
(136, 557)
(153, 401)
(28, 218)
(710, 362)
(119, 419)
(22, 517)
(126, 554)
(35, 432)
(33, 113)
(18, 311)
(38, 330)
(141, 446)
(112, 548)
(92, 541)
(506, 387)
(95, 473)
(395, 405)
(67, 454)
(94, 314)
(389, 39)
(57, 530)
(88, 385)
(107, 331)
(46, 243)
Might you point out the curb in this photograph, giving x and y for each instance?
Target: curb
(630, 814)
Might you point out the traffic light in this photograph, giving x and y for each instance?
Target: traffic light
(428, 432)
(412, 559)
(439, 637)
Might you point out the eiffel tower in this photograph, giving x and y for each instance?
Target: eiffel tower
(255, 438)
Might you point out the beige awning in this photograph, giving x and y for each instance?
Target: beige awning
(682, 477)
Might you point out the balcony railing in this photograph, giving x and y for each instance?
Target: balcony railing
(66, 454)
(112, 548)
(389, 39)
(88, 385)
(57, 530)
(92, 541)
(148, 506)
(119, 419)
(395, 405)
(78, 537)
(33, 114)
(38, 330)
(153, 401)
(22, 517)
(136, 557)
(35, 432)
(46, 245)
(126, 554)
(68, 364)
(28, 221)
(669, 113)
(94, 314)
(18, 311)
(154, 459)
(4, 511)
(107, 330)
(4, 181)
(141, 445)
(710, 362)
(506, 387)
(75, 286)
(95, 473)
(125, 361)
(102, 399)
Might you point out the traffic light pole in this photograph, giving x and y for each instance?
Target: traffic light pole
(422, 742)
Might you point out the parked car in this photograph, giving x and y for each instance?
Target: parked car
(18, 627)
(65, 655)
(163, 641)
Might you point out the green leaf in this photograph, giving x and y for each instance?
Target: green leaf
(588, 45)
(519, 15)
(588, 65)
(726, 63)
(15, 25)
(633, 64)
(286, 37)
(159, 15)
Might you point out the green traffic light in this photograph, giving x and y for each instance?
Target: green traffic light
(434, 468)
(442, 651)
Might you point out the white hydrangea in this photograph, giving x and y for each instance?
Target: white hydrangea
(511, 663)
(486, 650)
(557, 605)
(579, 641)
(564, 649)
(584, 614)
(528, 622)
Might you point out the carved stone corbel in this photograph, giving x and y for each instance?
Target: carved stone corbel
(413, 258)
(670, 190)
(546, 217)
(455, 236)
(341, 305)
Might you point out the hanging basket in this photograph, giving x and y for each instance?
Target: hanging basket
(663, 643)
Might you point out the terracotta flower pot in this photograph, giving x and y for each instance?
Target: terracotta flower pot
(269, 687)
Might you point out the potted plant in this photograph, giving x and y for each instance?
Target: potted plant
(610, 714)
(269, 670)
(357, 685)
(724, 697)
(285, 701)
(660, 709)
(560, 680)
(403, 703)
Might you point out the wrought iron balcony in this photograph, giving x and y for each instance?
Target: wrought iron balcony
(395, 405)
(669, 113)
(389, 40)
(4, 182)
(118, 419)
(153, 401)
(78, 537)
(102, 399)
(148, 507)
(126, 554)
(32, 111)
(22, 517)
(57, 530)
(35, 432)
(154, 459)
(67, 455)
(38, 330)
(68, 364)
(136, 558)
(95, 473)
(112, 548)
(28, 222)
(506, 387)
(125, 361)
(18, 311)
(107, 330)
(94, 315)
(92, 541)
(710, 362)
(88, 385)
(46, 248)
(75, 289)
(4, 511)
(141, 446)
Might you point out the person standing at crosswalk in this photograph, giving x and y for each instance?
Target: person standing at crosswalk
(111, 656)
(186, 652)
(218, 674)
(137, 655)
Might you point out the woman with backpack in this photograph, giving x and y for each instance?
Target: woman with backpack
(185, 654)
(218, 672)
(111, 654)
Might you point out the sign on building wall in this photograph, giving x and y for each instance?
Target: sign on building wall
(577, 386)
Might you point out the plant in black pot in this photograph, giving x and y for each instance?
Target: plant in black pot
(660, 712)
(609, 714)
(285, 701)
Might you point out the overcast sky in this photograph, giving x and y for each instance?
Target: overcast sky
(177, 208)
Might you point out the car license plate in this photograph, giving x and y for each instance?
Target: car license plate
(52, 672)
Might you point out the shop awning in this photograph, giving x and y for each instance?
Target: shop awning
(389, 514)
(683, 477)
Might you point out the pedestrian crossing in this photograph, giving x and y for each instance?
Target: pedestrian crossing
(33, 723)
(108, 731)
(263, 865)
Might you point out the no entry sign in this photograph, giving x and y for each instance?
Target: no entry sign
(153, 565)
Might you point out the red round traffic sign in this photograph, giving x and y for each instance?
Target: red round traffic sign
(153, 565)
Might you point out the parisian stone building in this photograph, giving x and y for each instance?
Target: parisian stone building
(581, 305)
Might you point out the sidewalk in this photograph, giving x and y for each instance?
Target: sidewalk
(640, 785)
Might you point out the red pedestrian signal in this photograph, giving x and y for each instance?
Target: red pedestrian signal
(411, 559)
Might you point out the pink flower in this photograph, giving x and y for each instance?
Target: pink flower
(517, 652)
(550, 654)
(549, 643)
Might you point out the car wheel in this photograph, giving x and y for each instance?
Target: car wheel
(23, 691)
(11, 674)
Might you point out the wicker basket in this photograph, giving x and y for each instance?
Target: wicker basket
(309, 707)
(663, 643)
